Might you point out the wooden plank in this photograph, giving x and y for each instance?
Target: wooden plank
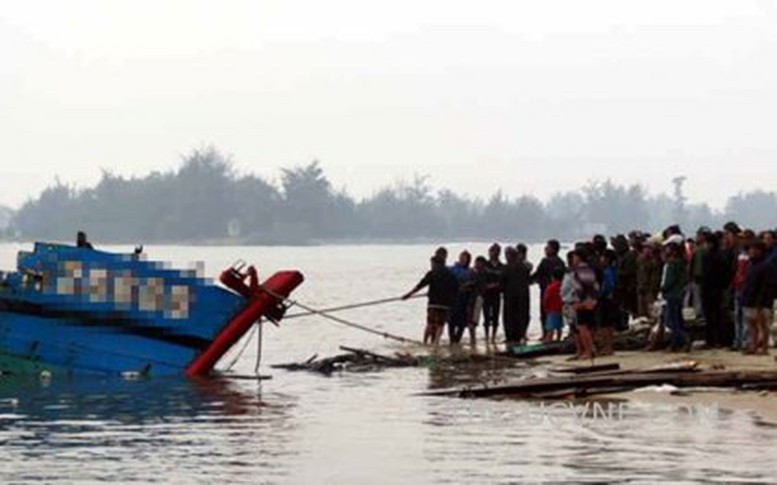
(587, 369)
(633, 380)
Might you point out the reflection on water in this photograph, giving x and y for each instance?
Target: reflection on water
(350, 428)
(159, 429)
(446, 373)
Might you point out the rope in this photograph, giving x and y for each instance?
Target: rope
(347, 323)
(351, 306)
(258, 347)
(323, 313)
(245, 346)
(309, 311)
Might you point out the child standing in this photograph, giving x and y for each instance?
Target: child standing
(552, 306)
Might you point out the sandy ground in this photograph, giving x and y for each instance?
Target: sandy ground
(762, 404)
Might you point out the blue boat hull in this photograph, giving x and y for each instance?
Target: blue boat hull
(65, 346)
(82, 311)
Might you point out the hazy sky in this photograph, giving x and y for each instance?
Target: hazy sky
(531, 97)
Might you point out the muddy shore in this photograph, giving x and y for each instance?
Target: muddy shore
(763, 404)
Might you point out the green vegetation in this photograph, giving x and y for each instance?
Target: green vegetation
(6, 215)
(206, 201)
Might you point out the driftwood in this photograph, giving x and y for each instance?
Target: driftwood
(361, 360)
(399, 361)
(588, 369)
(354, 359)
(576, 386)
(760, 386)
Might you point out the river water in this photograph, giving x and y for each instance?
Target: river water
(300, 427)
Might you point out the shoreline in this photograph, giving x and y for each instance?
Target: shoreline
(762, 404)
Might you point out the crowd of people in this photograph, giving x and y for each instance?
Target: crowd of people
(725, 278)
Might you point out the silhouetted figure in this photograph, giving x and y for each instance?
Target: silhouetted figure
(716, 277)
(543, 276)
(515, 287)
(458, 316)
(82, 242)
(443, 292)
(492, 295)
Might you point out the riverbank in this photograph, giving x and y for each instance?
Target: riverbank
(762, 404)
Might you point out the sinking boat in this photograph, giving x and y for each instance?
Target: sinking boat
(75, 310)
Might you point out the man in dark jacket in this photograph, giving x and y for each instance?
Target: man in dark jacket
(443, 292)
(544, 274)
(627, 253)
(649, 268)
(492, 295)
(730, 242)
(515, 287)
(757, 298)
(715, 279)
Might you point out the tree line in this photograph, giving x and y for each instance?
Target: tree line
(205, 200)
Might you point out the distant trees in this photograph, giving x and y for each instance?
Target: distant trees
(201, 201)
(256, 203)
(6, 214)
(43, 217)
(753, 209)
(457, 216)
(193, 203)
(206, 200)
(614, 206)
(407, 210)
(310, 202)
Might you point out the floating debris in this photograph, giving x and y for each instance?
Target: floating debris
(354, 360)
(361, 360)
